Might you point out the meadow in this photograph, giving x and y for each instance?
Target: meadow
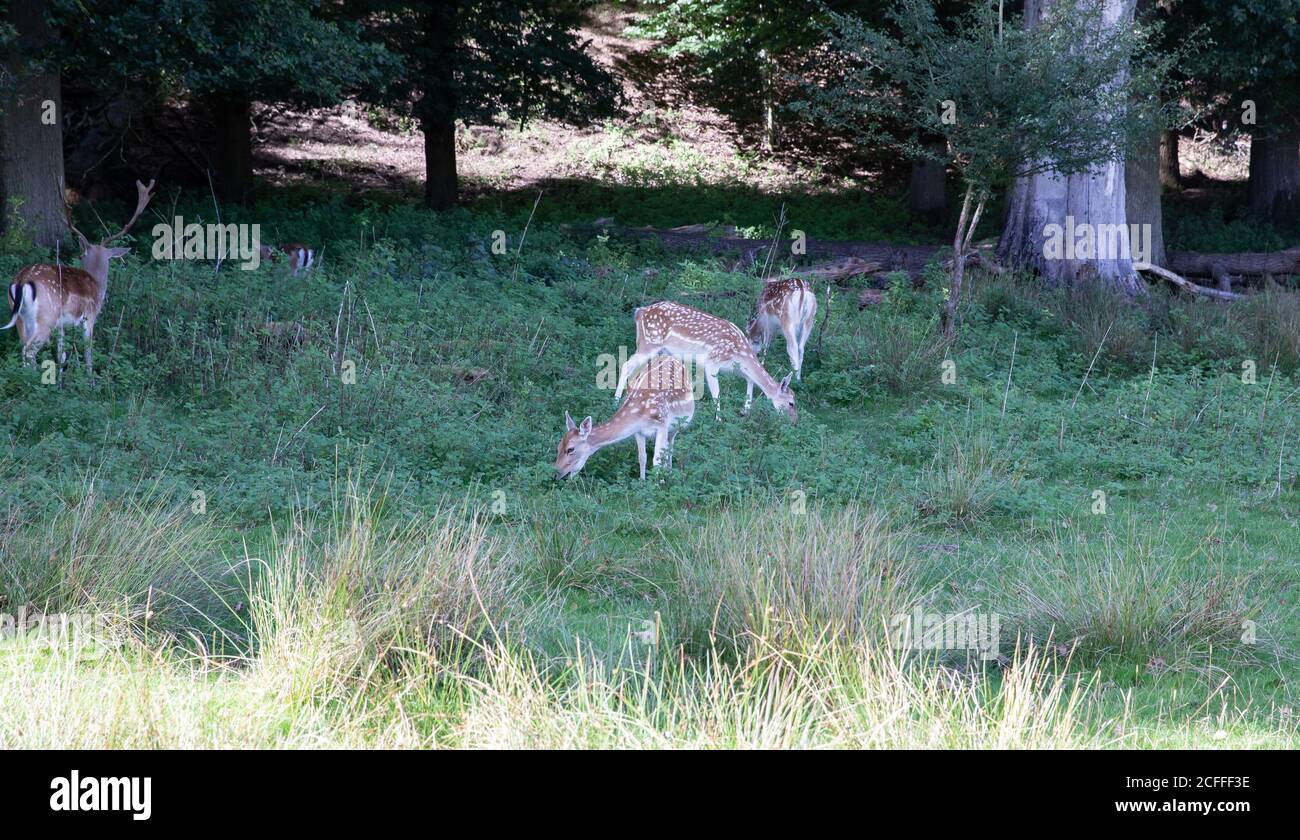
(322, 510)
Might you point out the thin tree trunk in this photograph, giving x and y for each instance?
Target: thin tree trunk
(31, 135)
(1274, 187)
(948, 320)
(440, 184)
(232, 151)
(1170, 175)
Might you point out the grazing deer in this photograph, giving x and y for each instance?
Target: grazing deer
(50, 297)
(300, 256)
(790, 304)
(659, 403)
(713, 343)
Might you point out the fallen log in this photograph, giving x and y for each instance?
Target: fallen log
(1196, 264)
(911, 259)
(1187, 285)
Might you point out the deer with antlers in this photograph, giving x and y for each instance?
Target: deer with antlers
(714, 343)
(45, 298)
(660, 401)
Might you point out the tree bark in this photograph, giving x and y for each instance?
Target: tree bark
(440, 184)
(31, 135)
(1274, 187)
(1170, 175)
(232, 151)
(1142, 200)
(1051, 207)
(925, 190)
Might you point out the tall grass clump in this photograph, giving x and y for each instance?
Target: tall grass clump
(965, 480)
(904, 354)
(347, 595)
(786, 577)
(140, 557)
(1133, 591)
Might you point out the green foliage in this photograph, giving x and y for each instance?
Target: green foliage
(1022, 101)
(288, 51)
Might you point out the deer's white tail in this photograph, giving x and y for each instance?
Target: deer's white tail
(23, 297)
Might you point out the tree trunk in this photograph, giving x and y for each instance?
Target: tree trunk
(232, 150)
(1170, 175)
(1055, 224)
(1142, 202)
(31, 135)
(1274, 187)
(440, 186)
(925, 190)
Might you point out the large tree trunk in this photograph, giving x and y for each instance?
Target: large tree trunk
(440, 185)
(232, 151)
(1170, 175)
(925, 190)
(1142, 202)
(31, 134)
(1049, 209)
(1275, 175)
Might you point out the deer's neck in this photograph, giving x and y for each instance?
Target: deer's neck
(96, 265)
(611, 431)
(757, 374)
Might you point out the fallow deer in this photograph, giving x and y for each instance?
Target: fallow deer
(788, 304)
(300, 256)
(714, 343)
(45, 298)
(659, 402)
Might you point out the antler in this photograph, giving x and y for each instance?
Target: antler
(67, 212)
(142, 201)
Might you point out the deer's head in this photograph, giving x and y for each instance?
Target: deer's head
(95, 255)
(575, 447)
(784, 399)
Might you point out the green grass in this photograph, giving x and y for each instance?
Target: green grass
(391, 562)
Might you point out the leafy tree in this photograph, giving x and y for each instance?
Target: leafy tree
(1250, 80)
(226, 55)
(484, 61)
(1014, 102)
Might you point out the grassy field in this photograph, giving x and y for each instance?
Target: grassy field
(322, 510)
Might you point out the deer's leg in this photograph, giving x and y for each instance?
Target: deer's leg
(33, 344)
(794, 350)
(672, 442)
(661, 446)
(62, 355)
(711, 378)
(640, 453)
(749, 397)
(88, 330)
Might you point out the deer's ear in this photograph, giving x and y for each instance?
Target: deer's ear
(585, 428)
(785, 383)
(118, 252)
(569, 425)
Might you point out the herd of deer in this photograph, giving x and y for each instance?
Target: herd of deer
(660, 396)
(45, 299)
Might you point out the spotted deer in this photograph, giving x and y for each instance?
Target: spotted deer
(715, 344)
(790, 305)
(659, 403)
(301, 257)
(45, 298)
